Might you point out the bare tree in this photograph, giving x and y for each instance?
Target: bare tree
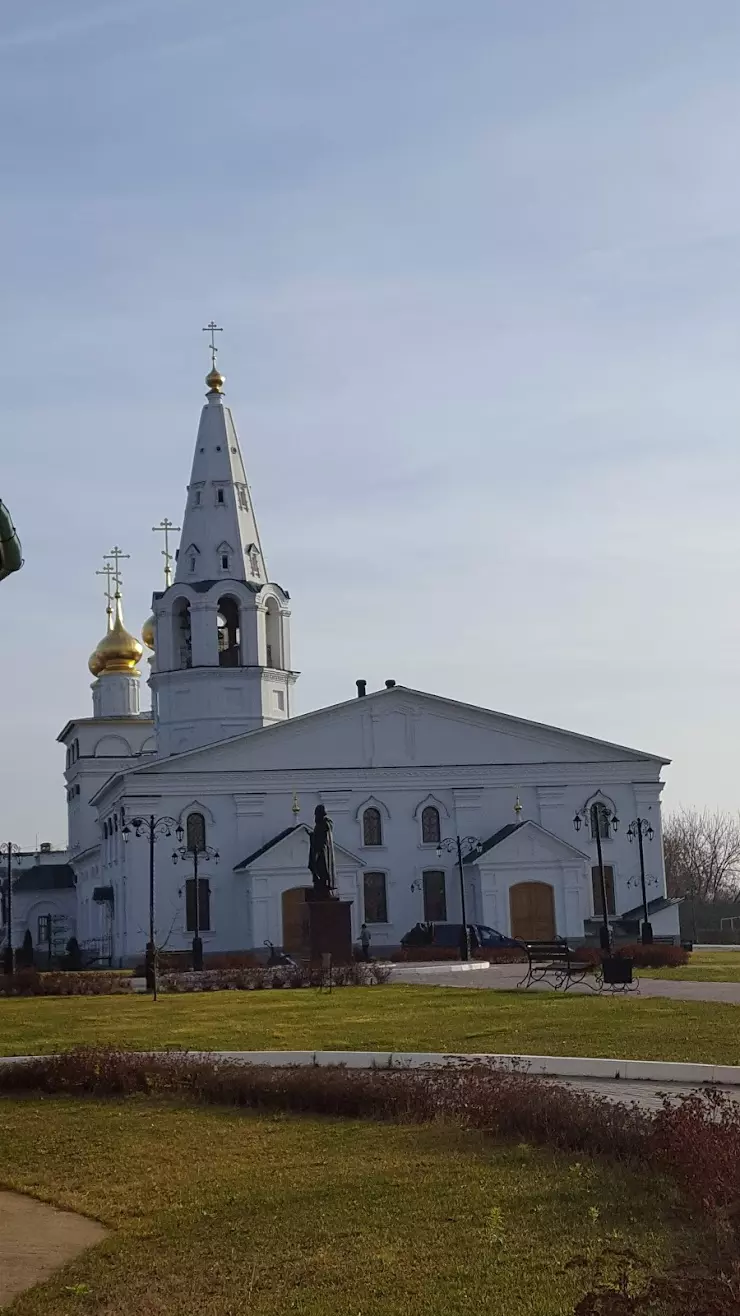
(702, 854)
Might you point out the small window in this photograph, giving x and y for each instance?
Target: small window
(430, 833)
(280, 700)
(43, 934)
(375, 898)
(372, 827)
(196, 498)
(219, 495)
(435, 896)
(224, 561)
(192, 564)
(241, 494)
(609, 884)
(600, 819)
(195, 831)
(204, 904)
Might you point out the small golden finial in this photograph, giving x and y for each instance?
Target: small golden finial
(214, 379)
(295, 806)
(518, 809)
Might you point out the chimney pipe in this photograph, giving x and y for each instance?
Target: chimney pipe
(389, 685)
(361, 689)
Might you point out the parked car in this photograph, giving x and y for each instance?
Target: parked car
(449, 935)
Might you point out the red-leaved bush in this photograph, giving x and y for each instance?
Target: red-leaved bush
(657, 956)
(29, 982)
(356, 974)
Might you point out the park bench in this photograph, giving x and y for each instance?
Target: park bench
(552, 961)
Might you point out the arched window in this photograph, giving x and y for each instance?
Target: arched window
(600, 820)
(195, 831)
(182, 646)
(228, 632)
(430, 833)
(372, 827)
(274, 657)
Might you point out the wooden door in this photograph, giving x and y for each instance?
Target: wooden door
(532, 908)
(295, 919)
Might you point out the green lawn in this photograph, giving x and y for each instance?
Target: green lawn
(397, 1018)
(220, 1213)
(703, 966)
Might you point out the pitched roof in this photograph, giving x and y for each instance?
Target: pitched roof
(496, 839)
(660, 902)
(45, 877)
(279, 728)
(268, 846)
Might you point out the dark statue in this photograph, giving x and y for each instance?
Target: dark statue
(321, 854)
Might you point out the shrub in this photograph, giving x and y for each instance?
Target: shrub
(74, 955)
(361, 974)
(657, 956)
(24, 956)
(29, 982)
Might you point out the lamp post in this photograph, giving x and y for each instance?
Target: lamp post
(640, 828)
(452, 844)
(10, 852)
(194, 847)
(152, 828)
(595, 814)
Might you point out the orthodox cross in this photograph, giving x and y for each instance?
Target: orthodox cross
(165, 527)
(107, 571)
(213, 329)
(116, 556)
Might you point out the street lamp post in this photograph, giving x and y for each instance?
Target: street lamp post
(640, 828)
(195, 848)
(152, 828)
(595, 813)
(452, 844)
(10, 852)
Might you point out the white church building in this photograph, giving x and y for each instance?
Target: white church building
(397, 769)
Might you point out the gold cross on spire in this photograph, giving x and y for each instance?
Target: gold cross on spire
(116, 556)
(213, 329)
(107, 571)
(166, 527)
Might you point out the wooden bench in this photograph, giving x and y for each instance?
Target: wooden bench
(552, 961)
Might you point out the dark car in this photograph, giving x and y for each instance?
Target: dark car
(449, 935)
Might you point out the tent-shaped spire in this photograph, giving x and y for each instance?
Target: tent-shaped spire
(219, 531)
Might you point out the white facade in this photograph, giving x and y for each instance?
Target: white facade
(395, 769)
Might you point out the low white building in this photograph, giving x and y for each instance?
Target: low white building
(44, 902)
(398, 770)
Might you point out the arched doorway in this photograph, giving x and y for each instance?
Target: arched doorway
(532, 909)
(295, 919)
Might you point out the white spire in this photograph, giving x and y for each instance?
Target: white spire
(220, 539)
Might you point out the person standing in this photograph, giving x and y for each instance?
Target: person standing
(365, 941)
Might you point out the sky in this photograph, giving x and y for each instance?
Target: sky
(478, 268)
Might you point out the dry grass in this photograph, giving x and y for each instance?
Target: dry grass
(220, 1213)
(402, 1018)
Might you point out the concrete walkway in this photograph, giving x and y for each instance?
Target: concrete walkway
(649, 1096)
(35, 1239)
(504, 977)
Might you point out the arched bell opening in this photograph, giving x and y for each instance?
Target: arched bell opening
(229, 638)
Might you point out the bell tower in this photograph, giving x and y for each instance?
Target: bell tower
(221, 630)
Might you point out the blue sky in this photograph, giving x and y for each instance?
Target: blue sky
(479, 270)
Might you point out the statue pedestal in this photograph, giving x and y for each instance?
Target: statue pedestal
(330, 928)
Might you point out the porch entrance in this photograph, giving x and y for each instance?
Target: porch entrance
(532, 909)
(295, 919)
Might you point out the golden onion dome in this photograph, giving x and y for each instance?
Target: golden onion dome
(147, 632)
(215, 381)
(118, 651)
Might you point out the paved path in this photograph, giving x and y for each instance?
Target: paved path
(504, 977)
(35, 1239)
(648, 1095)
